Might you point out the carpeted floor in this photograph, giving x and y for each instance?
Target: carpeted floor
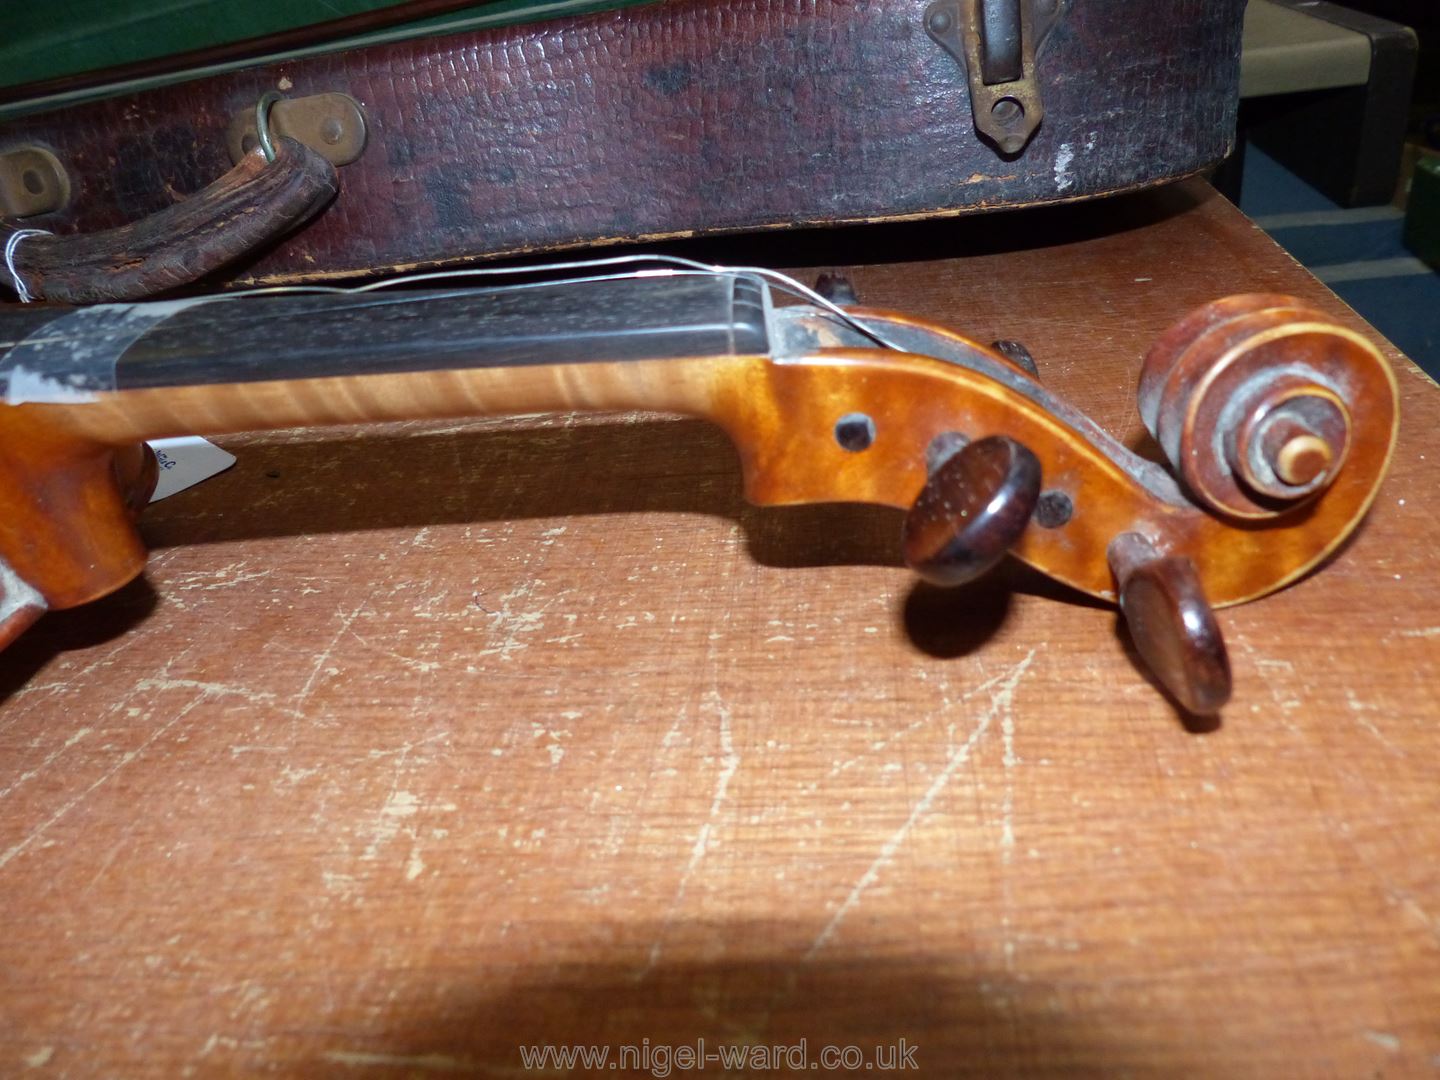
(1358, 253)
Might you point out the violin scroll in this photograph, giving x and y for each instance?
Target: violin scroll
(1255, 401)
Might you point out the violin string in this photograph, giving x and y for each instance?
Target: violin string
(670, 265)
(786, 283)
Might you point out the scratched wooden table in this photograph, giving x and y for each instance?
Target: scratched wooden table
(418, 748)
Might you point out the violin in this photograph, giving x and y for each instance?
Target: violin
(1278, 424)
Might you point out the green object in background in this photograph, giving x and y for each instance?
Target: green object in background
(65, 37)
(1422, 215)
(70, 38)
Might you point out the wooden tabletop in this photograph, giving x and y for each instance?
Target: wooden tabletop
(424, 744)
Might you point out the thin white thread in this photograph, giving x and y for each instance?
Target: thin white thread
(10, 246)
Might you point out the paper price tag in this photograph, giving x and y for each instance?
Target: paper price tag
(185, 461)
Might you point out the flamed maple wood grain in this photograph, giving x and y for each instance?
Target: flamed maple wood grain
(541, 734)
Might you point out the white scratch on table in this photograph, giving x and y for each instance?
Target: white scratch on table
(207, 689)
(399, 805)
(424, 667)
(1406, 900)
(225, 577)
(1383, 1039)
(213, 689)
(324, 657)
(513, 623)
(71, 682)
(1279, 665)
(1000, 702)
(881, 745)
(729, 765)
(1358, 709)
(1276, 694)
(40, 1057)
(50, 758)
(124, 760)
(1009, 759)
(674, 736)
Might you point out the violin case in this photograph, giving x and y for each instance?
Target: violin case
(663, 120)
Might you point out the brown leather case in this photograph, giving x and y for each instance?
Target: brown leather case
(673, 119)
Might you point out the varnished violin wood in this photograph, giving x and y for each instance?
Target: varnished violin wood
(1250, 389)
(67, 526)
(781, 417)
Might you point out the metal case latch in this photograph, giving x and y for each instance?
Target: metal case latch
(996, 41)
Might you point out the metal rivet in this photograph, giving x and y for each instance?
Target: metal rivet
(331, 131)
(940, 22)
(855, 432)
(32, 181)
(1054, 509)
(1008, 111)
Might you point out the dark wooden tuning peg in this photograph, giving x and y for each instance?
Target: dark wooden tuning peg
(1171, 623)
(971, 510)
(1017, 353)
(836, 288)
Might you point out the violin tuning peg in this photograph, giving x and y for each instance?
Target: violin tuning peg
(1018, 355)
(971, 511)
(1171, 623)
(836, 288)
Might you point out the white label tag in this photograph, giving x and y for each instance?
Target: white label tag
(185, 461)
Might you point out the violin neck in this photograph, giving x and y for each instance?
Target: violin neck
(125, 372)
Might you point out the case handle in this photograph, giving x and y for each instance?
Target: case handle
(251, 205)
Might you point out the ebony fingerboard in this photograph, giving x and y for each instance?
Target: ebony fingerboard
(299, 337)
(262, 338)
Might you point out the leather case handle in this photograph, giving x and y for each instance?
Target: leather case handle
(251, 205)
